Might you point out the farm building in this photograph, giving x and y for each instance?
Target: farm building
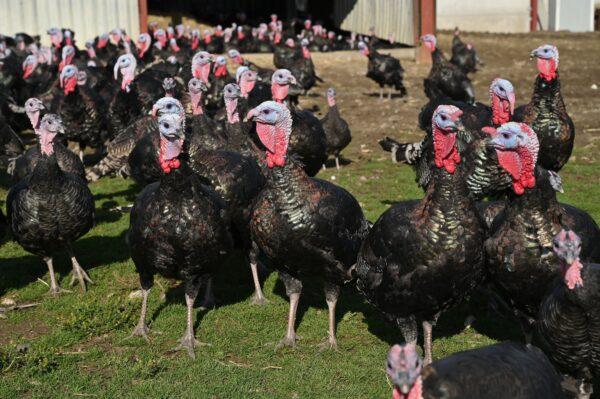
(399, 18)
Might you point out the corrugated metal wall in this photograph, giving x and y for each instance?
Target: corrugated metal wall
(87, 18)
(387, 16)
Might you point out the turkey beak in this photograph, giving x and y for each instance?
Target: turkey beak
(511, 101)
(533, 54)
(251, 115)
(116, 71)
(292, 80)
(154, 110)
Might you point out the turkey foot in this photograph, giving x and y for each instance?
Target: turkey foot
(330, 343)
(78, 273)
(188, 342)
(141, 330)
(288, 341)
(259, 299)
(55, 289)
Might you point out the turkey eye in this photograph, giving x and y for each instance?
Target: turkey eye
(166, 125)
(506, 135)
(444, 117)
(267, 112)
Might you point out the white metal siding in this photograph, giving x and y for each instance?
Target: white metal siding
(387, 16)
(484, 15)
(88, 18)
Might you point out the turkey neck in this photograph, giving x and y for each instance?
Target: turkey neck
(178, 180)
(437, 57)
(547, 98)
(290, 183)
(536, 210)
(484, 175)
(447, 200)
(46, 174)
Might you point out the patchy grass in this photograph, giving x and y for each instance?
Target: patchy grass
(76, 344)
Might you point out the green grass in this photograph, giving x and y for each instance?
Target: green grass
(77, 347)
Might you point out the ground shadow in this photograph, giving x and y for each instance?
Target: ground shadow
(23, 270)
(385, 95)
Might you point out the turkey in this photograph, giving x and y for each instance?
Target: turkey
(143, 159)
(82, 112)
(285, 54)
(445, 79)
(219, 78)
(50, 208)
(204, 132)
(177, 228)
(421, 258)
(305, 226)
(255, 92)
(546, 112)
(307, 140)
(263, 73)
(568, 326)
(3, 225)
(136, 96)
(24, 164)
(464, 55)
(303, 69)
(385, 70)
(520, 261)
(475, 117)
(336, 129)
(505, 370)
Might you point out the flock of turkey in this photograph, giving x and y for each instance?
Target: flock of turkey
(227, 163)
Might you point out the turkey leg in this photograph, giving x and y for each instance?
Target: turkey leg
(54, 287)
(142, 328)
(332, 293)
(427, 333)
(189, 341)
(259, 297)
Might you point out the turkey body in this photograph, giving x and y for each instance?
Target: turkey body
(422, 257)
(49, 209)
(83, 113)
(67, 161)
(505, 370)
(308, 141)
(336, 131)
(177, 229)
(547, 115)
(447, 80)
(386, 70)
(568, 325)
(463, 57)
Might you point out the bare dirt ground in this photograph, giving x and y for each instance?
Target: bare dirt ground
(505, 55)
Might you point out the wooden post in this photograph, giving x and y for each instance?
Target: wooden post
(426, 24)
(533, 22)
(143, 12)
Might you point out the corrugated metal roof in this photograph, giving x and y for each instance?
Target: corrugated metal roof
(387, 16)
(87, 18)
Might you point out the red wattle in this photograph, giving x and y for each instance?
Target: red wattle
(500, 111)
(70, 85)
(279, 92)
(547, 68)
(446, 154)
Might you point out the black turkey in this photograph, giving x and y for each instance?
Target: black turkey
(546, 112)
(336, 129)
(305, 226)
(568, 326)
(50, 208)
(464, 55)
(506, 370)
(520, 261)
(421, 258)
(177, 228)
(384, 69)
(445, 79)
(24, 164)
